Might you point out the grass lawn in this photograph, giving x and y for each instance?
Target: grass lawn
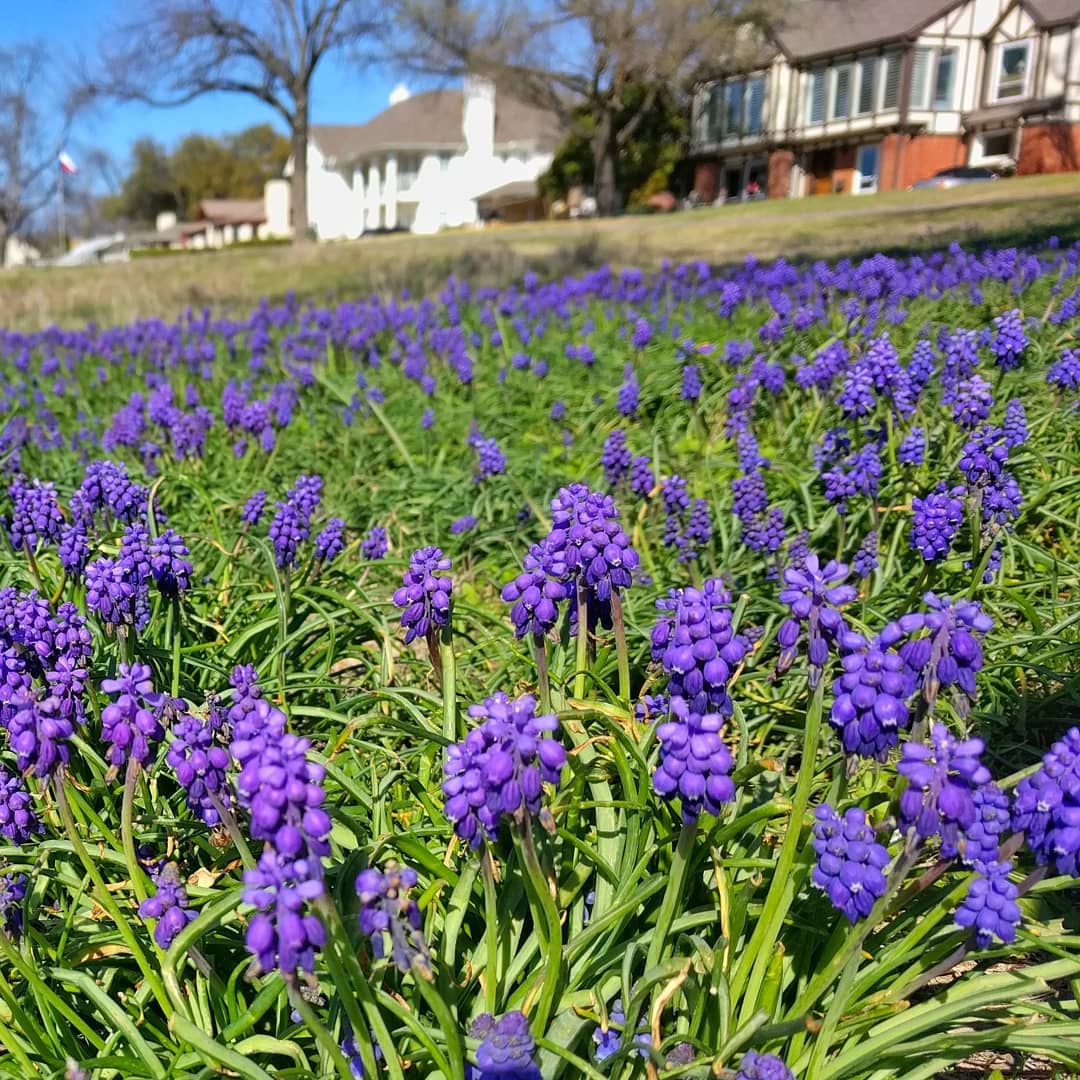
(1010, 211)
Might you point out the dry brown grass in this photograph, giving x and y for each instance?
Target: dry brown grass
(1008, 211)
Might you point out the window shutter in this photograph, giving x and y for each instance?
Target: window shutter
(755, 106)
(842, 101)
(867, 84)
(890, 98)
(816, 103)
(920, 78)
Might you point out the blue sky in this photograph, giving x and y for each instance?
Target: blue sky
(342, 93)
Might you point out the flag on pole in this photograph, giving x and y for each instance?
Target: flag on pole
(66, 164)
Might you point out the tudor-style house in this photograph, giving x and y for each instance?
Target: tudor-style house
(851, 96)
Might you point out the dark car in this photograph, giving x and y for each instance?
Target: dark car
(957, 175)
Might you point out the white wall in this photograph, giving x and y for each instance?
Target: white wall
(335, 207)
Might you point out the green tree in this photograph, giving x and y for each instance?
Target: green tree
(148, 189)
(645, 162)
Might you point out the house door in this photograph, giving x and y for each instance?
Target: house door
(821, 169)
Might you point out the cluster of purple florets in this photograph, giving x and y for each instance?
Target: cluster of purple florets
(850, 865)
(131, 725)
(535, 597)
(499, 768)
(424, 596)
(699, 649)
(389, 912)
(168, 906)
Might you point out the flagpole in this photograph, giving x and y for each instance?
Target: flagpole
(61, 224)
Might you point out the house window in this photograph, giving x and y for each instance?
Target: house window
(890, 81)
(755, 105)
(408, 169)
(943, 79)
(997, 144)
(867, 84)
(815, 96)
(714, 129)
(866, 168)
(1012, 70)
(733, 106)
(920, 78)
(842, 92)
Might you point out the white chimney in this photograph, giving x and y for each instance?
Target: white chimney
(399, 94)
(165, 220)
(478, 116)
(277, 198)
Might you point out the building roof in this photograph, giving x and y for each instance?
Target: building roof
(1005, 115)
(814, 28)
(1051, 12)
(506, 194)
(431, 120)
(233, 211)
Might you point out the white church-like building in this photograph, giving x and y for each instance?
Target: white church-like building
(432, 160)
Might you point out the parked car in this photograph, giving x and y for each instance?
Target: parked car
(957, 175)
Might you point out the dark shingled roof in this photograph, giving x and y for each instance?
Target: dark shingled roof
(815, 28)
(432, 120)
(1050, 12)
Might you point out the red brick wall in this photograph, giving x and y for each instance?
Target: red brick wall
(906, 159)
(706, 180)
(779, 182)
(1048, 148)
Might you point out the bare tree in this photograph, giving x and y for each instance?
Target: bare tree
(577, 57)
(31, 136)
(173, 51)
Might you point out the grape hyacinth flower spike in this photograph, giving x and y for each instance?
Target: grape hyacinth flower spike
(506, 1049)
(1046, 807)
(850, 865)
(388, 911)
(425, 600)
(814, 594)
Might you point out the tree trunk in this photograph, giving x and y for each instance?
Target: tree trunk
(3, 242)
(299, 140)
(603, 151)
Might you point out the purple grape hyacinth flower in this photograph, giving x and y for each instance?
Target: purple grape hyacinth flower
(39, 732)
(615, 459)
(935, 522)
(425, 594)
(375, 544)
(535, 597)
(18, 821)
(942, 777)
(499, 767)
(1046, 807)
(642, 479)
(814, 594)
(850, 866)
(388, 911)
(168, 905)
(12, 894)
(283, 791)
(507, 1048)
(870, 698)
(169, 565)
(331, 541)
(912, 449)
(132, 723)
(200, 764)
(283, 934)
(990, 906)
(755, 1066)
(695, 765)
(254, 508)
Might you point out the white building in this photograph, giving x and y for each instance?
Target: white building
(427, 162)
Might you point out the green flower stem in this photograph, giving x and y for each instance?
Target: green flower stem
(136, 874)
(581, 656)
(210, 1050)
(491, 930)
(448, 663)
(104, 898)
(676, 881)
(833, 1015)
(547, 916)
(318, 1029)
(34, 572)
(620, 645)
(751, 970)
(284, 602)
(543, 679)
(347, 975)
(228, 819)
(452, 1065)
(395, 438)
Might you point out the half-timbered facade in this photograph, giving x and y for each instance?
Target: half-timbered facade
(852, 96)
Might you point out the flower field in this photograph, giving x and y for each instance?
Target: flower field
(631, 675)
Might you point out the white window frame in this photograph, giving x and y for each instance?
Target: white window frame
(979, 157)
(834, 94)
(859, 187)
(999, 51)
(924, 102)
